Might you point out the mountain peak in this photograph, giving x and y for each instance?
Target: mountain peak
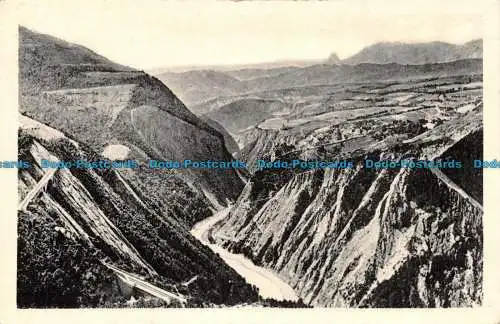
(333, 59)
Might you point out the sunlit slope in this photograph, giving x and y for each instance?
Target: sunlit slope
(95, 101)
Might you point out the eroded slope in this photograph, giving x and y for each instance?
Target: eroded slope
(365, 237)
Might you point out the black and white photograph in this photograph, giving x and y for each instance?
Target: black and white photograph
(244, 157)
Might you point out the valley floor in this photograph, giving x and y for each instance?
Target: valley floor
(268, 283)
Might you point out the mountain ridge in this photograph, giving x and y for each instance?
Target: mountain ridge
(100, 103)
(415, 53)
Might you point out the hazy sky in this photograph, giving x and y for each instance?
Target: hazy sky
(160, 33)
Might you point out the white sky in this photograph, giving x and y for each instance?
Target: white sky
(161, 33)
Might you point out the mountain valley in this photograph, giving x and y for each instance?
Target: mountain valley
(282, 237)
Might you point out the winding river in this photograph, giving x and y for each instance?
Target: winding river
(269, 284)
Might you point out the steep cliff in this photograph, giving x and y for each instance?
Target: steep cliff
(366, 237)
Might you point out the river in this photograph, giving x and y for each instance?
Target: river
(269, 284)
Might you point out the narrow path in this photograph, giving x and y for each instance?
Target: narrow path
(269, 284)
(245, 181)
(452, 185)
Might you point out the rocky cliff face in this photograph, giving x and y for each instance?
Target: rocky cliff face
(365, 237)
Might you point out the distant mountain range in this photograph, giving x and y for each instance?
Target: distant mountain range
(237, 67)
(417, 53)
(381, 61)
(197, 87)
(378, 53)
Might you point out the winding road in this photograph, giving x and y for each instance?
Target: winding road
(269, 284)
(36, 189)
